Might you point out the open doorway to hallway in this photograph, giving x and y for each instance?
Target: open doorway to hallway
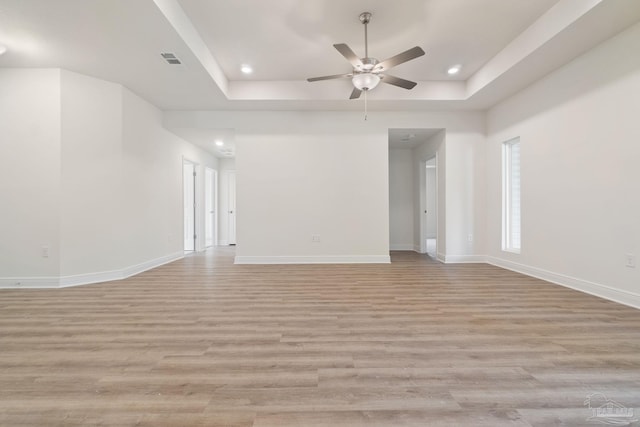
(429, 229)
(414, 211)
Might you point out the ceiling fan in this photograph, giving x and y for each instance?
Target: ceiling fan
(368, 72)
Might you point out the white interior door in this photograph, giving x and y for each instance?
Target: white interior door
(232, 207)
(431, 207)
(189, 205)
(210, 207)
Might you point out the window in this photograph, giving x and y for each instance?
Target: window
(511, 195)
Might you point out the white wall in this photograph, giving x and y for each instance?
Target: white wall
(465, 197)
(121, 179)
(91, 207)
(291, 187)
(580, 134)
(401, 199)
(102, 180)
(225, 164)
(338, 142)
(153, 199)
(29, 173)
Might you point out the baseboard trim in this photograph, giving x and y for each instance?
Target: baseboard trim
(401, 247)
(602, 291)
(323, 259)
(148, 265)
(88, 278)
(463, 259)
(29, 282)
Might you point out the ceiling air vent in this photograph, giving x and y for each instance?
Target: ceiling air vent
(171, 58)
(408, 137)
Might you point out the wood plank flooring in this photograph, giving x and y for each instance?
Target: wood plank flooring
(203, 342)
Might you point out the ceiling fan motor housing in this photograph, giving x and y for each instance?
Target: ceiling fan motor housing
(368, 65)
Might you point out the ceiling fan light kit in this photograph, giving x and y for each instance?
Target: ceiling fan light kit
(365, 81)
(368, 72)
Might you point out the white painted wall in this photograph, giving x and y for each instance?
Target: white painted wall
(92, 176)
(152, 160)
(275, 147)
(401, 199)
(29, 172)
(291, 187)
(103, 180)
(121, 180)
(227, 164)
(465, 198)
(580, 136)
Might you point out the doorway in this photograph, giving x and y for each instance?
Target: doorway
(189, 204)
(430, 221)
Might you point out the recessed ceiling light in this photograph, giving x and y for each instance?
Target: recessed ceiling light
(219, 143)
(454, 69)
(3, 49)
(246, 69)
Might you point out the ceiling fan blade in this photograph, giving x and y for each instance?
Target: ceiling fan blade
(349, 54)
(400, 58)
(397, 81)
(355, 94)
(335, 76)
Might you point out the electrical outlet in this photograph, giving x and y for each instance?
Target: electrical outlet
(45, 251)
(631, 260)
(315, 238)
(470, 238)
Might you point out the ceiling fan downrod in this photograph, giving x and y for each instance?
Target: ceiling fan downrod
(365, 18)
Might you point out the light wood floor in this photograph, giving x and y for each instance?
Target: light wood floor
(416, 343)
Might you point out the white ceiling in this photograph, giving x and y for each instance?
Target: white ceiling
(293, 39)
(502, 45)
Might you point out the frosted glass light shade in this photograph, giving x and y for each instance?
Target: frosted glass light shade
(365, 81)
